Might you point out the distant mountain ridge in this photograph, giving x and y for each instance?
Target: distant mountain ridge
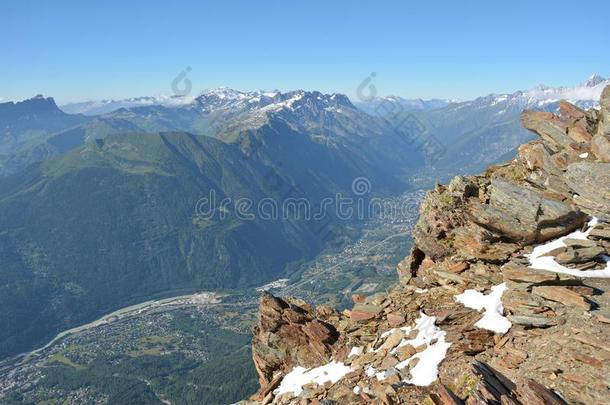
(380, 105)
(225, 97)
(99, 107)
(24, 128)
(35, 114)
(223, 113)
(487, 130)
(584, 95)
(26, 137)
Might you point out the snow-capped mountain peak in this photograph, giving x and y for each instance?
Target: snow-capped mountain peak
(585, 94)
(594, 80)
(266, 101)
(227, 99)
(218, 99)
(224, 93)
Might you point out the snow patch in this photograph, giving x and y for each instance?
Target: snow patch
(540, 262)
(425, 371)
(294, 381)
(356, 351)
(493, 318)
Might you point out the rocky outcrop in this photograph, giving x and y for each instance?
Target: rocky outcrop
(589, 181)
(289, 335)
(504, 298)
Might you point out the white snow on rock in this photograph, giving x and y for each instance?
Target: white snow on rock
(540, 262)
(424, 373)
(493, 319)
(370, 371)
(294, 381)
(426, 370)
(584, 155)
(355, 351)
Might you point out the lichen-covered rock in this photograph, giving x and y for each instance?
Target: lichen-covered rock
(591, 182)
(600, 146)
(519, 212)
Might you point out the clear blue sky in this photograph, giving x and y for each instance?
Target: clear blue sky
(453, 49)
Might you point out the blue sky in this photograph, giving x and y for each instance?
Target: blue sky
(455, 49)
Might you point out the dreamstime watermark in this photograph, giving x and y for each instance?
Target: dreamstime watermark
(361, 186)
(181, 85)
(356, 206)
(407, 127)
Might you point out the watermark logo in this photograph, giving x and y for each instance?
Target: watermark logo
(366, 90)
(361, 186)
(181, 85)
(216, 207)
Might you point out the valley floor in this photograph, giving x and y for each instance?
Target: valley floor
(162, 351)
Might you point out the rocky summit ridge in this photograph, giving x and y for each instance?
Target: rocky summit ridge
(503, 299)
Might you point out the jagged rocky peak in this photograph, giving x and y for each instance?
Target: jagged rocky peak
(224, 98)
(34, 105)
(504, 297)
(594, 80)
(584, 95)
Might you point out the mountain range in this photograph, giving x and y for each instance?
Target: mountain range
(113, 219)
(464, 127)
(99, 211)
(487, 130)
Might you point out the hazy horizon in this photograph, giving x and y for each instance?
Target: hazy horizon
(352, 97)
